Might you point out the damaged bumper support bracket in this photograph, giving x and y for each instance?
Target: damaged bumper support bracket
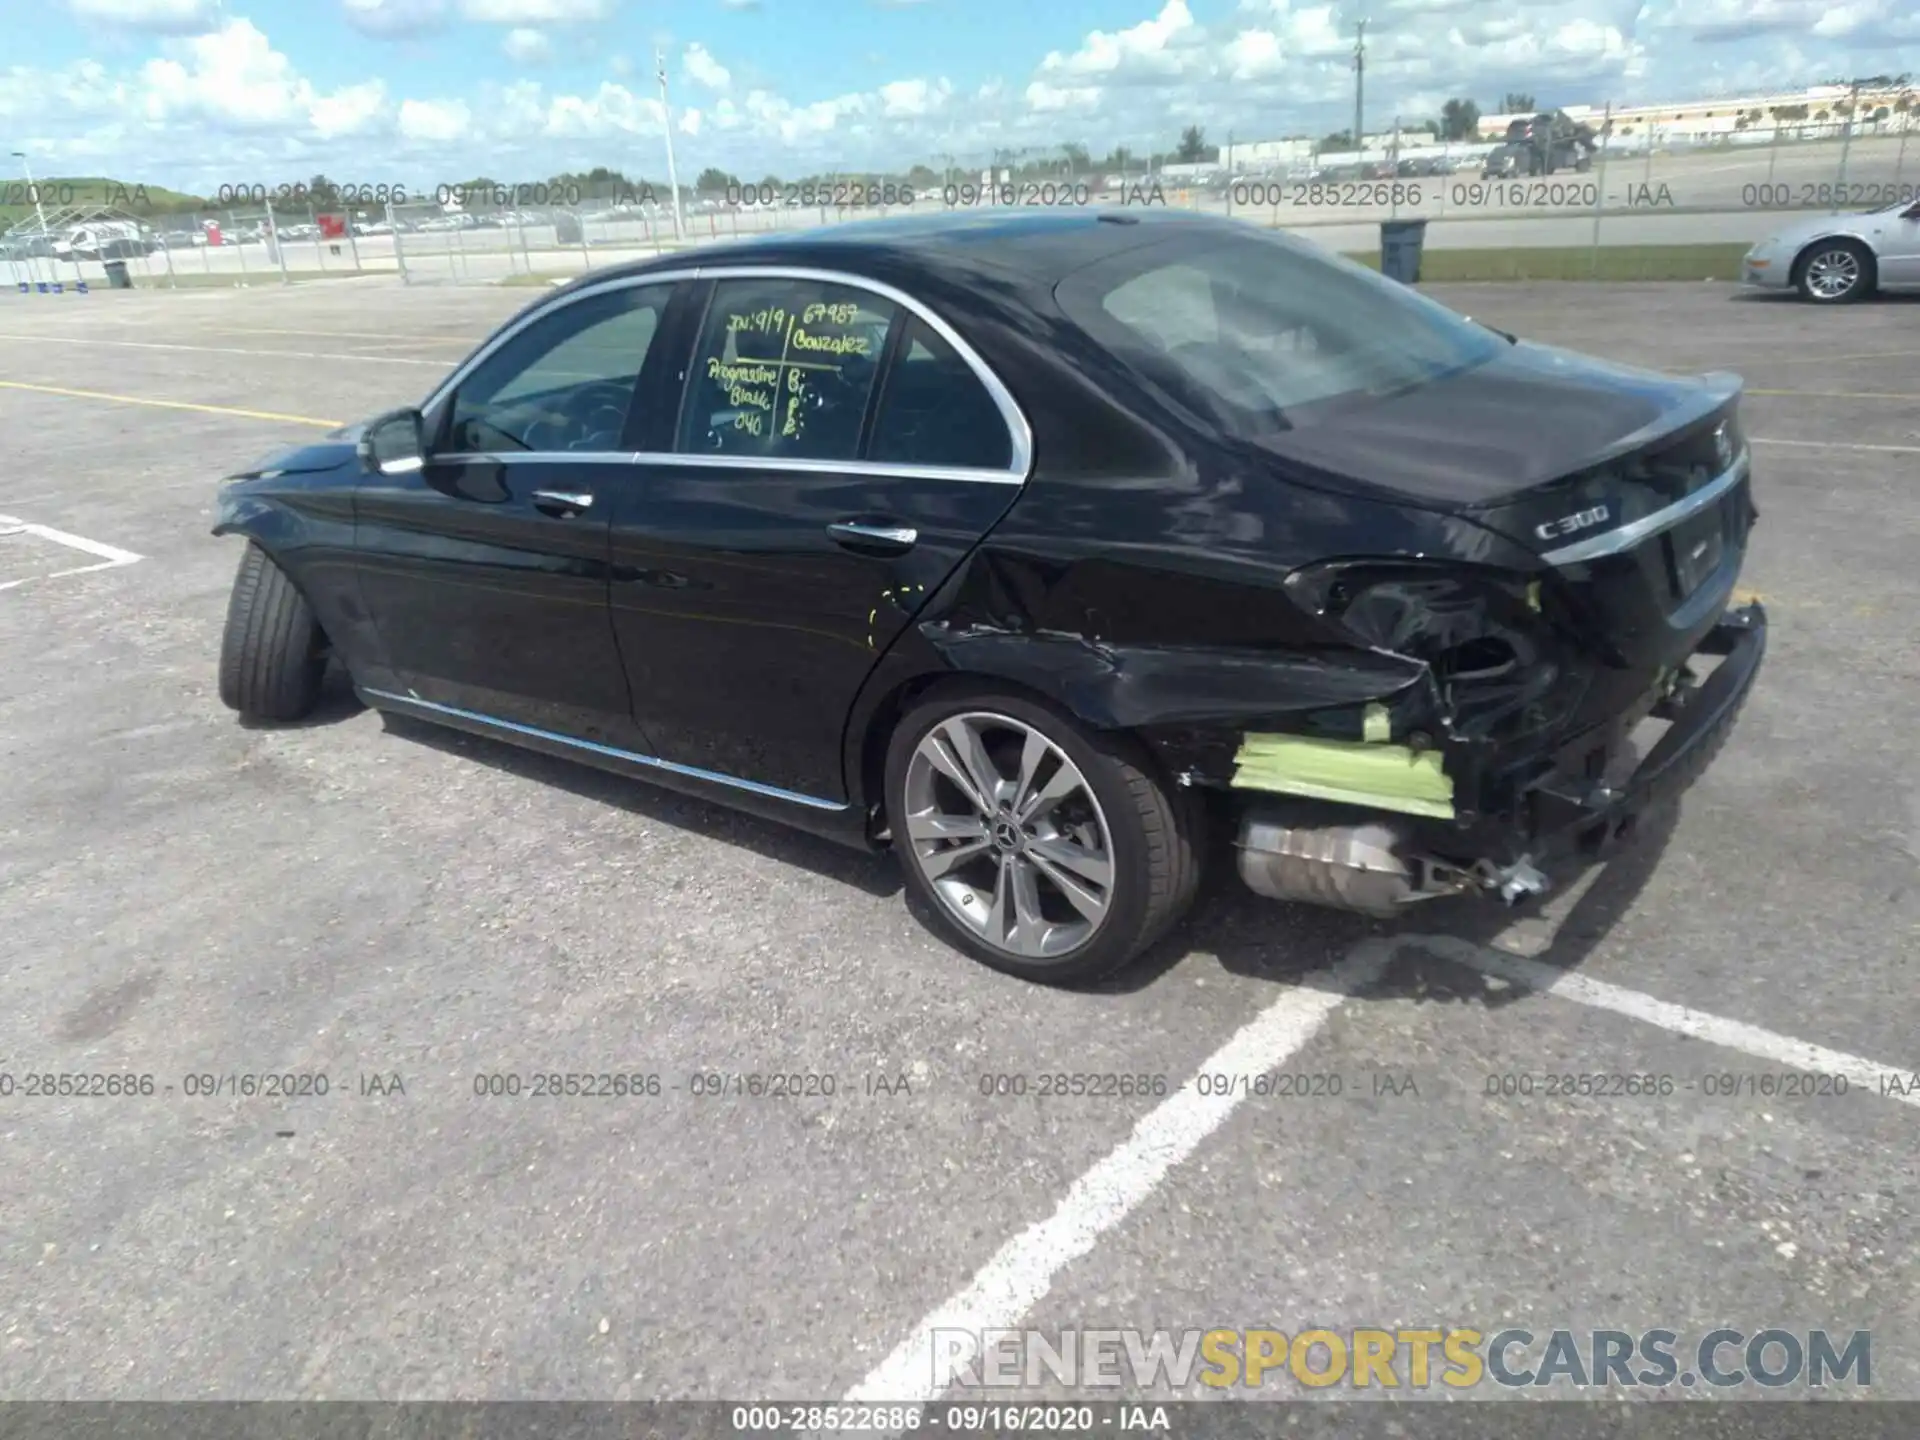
(1339, 832)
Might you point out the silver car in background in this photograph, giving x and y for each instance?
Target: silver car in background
(1831, 259)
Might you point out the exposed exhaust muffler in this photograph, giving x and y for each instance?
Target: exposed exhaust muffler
(1321, 854)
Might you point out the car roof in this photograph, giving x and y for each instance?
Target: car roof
(1034, 245)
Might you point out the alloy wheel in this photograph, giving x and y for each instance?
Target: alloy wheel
(1008, 834)
(1833, 273)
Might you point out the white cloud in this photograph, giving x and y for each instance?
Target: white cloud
(435, 121)
(352, 111)
(703, 69)
(395, 19)
(1159, 45)
(178, 17)
(611, 110)
(534, 12)
(524, 46)
(912, 98)
(81, 91)
(230, 77)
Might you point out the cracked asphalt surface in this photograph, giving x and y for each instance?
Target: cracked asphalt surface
(182, 895)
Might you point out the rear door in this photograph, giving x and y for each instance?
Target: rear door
(486, 570)
(838, 450)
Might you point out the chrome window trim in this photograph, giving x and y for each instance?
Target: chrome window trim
(874, 469)
(1018, 430)
(1627, 536)
(479, 357)
(855, 469)
(773, 792)
(1020, 433)
(538, 457)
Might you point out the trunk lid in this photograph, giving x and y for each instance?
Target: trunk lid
(1531, 415)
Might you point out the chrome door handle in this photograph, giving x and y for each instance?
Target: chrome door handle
(901, 535)
(564, 499)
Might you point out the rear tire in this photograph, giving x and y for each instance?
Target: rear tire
(273, 655)
(1835, 272)
(1115, 816)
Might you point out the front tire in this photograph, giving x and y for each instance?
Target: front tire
(1042, 849)
(1835, 272)
(273, 655)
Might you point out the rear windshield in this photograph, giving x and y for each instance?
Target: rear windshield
(1261, 333)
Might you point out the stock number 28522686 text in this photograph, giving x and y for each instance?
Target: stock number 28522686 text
(301, 195)
(842, 194)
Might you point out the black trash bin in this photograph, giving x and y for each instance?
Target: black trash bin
(118, 277)
(1400, 245)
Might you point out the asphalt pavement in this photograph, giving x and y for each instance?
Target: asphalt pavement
(401, 910)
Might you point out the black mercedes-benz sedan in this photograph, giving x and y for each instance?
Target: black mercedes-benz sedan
(1038, 547)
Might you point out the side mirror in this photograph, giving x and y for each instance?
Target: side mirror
(395, 443)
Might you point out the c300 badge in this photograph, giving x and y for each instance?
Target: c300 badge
(1572, 524)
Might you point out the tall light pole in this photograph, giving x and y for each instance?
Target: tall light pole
(33, 270)
(32, 189)
(673, 175)
(1359, 85)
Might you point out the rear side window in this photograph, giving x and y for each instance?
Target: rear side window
(935, 411)
(784, 370)
(1260, 333)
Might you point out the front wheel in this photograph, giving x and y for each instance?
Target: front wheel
(1043, 850)
(1836, 272)
(273, 655)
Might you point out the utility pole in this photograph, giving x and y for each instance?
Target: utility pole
(673, 175)
(1359, 85)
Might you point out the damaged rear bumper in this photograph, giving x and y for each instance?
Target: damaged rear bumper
(1303, 849)
(1582, 822)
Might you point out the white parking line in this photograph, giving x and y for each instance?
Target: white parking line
(1886, 1081)
(1022, 1271)
(111, 555)
(226, 350)
(1024, 1268)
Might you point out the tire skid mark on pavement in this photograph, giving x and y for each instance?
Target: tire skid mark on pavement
(1835, 445)
(1831, 394)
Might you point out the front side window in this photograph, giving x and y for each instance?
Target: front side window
(566, 382)
(935, 411)
(1263, 334)
(784, 370)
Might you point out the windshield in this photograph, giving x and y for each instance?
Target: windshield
(1260, 333)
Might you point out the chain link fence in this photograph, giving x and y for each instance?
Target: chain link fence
(1616, 188)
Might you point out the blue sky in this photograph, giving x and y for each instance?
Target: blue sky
(198, 93)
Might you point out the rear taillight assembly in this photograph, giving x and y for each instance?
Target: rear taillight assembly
(1497, 665)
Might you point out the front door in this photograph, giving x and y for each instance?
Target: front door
(1897, 242)
(486, 570)
(836, 456)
